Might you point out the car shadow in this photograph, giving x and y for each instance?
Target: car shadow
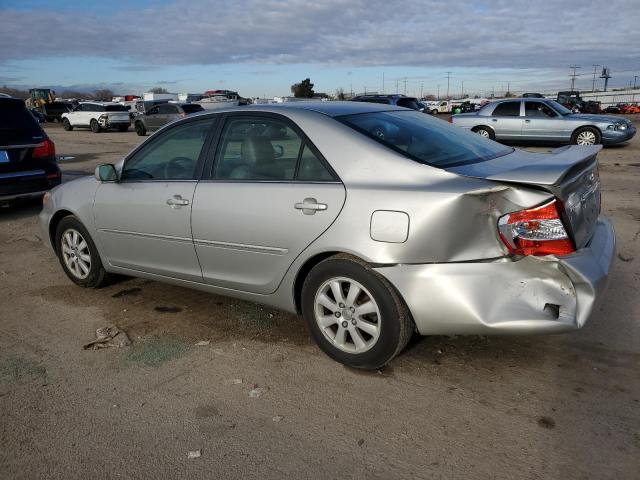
(20, 208)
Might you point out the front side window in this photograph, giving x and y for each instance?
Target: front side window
(173, 155)
(538, 110)
(258, 149)
(507, 109)
(425, 139)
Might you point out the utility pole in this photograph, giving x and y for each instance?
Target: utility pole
(462, 90)
(405, 85)
(593, 84)
(397, 89)
(635, 78)
(573, 76)
(448, 80)
(421, 88)
(438, 92)
(383, 82)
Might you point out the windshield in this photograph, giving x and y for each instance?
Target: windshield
(559, 108)
(425, 139)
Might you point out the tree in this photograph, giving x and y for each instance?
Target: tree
(14, 92)
(159, 90)
(104, 95)
(304, 89)
(77, 95)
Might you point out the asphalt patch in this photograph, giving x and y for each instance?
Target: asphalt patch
(126, 292)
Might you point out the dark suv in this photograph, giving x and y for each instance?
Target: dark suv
(398, 100)
(28, 166)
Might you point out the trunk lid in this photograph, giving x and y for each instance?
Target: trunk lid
(570, 173)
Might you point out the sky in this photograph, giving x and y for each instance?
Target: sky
(261, 47)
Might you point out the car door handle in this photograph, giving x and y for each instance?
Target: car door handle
(527, 121)
(494, 119)
(310, 206)
(177, 201)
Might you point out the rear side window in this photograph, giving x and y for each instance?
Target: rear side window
(166, 109)
(507, 109)
(425, 139)
(115, 108)
(311, 167)
(383, 101)
(17, 125)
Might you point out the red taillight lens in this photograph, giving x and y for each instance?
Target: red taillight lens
(535, 231)
(45, 149)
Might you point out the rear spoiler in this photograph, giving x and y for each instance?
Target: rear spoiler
(534, 168)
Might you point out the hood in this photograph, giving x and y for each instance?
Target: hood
(595, 118)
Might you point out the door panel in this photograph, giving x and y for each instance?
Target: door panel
(138, 229)
(247, 235)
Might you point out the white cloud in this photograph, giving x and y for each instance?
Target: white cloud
(499, 33)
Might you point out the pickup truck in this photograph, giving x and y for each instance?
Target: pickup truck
(97, 116)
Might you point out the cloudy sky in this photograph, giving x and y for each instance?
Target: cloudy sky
(261, 47)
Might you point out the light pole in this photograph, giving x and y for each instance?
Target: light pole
(448, 79)
(573, 76)
(593, 84)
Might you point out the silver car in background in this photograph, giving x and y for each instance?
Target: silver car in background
(371, 221)
(544, 120)
(159, 115)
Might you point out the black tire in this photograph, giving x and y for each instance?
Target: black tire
(434, 111)
(590, 131)
(97, 276)
(395, 323)
(140, 130)
(95, 126)
(66, 124)
(123, 128)
(485, 132)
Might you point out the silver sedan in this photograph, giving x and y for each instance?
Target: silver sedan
(370, 221)
(544, 120)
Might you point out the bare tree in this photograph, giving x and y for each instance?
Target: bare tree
(104, 95)
(15, 93)
(159, 90)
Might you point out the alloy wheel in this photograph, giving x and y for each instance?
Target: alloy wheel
(483, 133)
(76, 254)
(347, 314)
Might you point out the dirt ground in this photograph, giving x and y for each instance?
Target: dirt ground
(552, 407)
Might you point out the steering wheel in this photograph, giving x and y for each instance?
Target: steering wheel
(179, 168)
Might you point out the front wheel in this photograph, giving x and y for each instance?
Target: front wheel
(586, 136)
(78, 254)
(95, 126)
(66, 124)
(354, 314)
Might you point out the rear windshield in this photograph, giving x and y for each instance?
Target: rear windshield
(17, 124)
(425, 139)
(190, 108)
(115, 108)
(411, 103)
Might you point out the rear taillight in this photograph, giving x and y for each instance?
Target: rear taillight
(450, 119)
(535, 231)
(45, 149)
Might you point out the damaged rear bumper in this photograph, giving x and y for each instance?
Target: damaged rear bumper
(527, 296)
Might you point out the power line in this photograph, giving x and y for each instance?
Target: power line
(573, 76)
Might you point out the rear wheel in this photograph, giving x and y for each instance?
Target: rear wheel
(140, 130)
(66, 124)
(485, 132)
(95, 126)
(78, 254)
(434, 111)
(354, 314)
(586, 136)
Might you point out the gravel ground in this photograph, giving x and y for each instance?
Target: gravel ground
(261, 401)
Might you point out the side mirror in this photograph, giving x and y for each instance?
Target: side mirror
(106, 173)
